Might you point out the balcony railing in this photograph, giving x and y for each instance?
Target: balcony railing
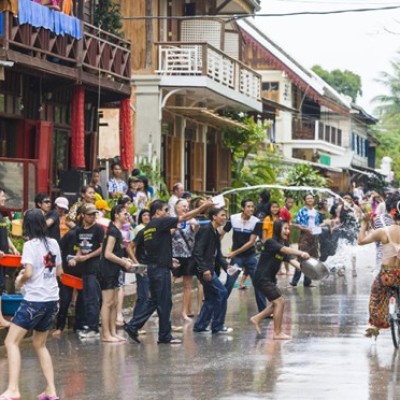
(98, 51)
(311, 129)
(202, 59)
(303, 129)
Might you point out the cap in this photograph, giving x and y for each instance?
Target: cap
(62, 202)
(89, 209)
(102, 205)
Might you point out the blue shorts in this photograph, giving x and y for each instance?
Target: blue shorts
(37, 315)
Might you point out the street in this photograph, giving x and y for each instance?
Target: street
(327, 358)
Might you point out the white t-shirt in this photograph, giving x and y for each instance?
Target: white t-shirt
(312, 215)
(43, 285)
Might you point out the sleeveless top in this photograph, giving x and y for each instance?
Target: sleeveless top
(390, 249)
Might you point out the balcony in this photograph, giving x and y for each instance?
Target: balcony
(96, 53)
(200, 65)
(310, 133)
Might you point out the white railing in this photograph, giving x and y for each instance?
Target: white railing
(177, 58)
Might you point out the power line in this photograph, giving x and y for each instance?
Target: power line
(240, 16)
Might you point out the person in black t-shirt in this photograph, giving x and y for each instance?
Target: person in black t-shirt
(110, 266)
(157, 245)
(89, 238)
(271, 258)
(43, 202)
(5, 246)
(68, 247)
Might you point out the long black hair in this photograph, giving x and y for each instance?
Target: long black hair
(35, 227)
(277, 229)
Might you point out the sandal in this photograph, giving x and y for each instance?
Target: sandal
(5, 397)
(44, 396)
(372, 331)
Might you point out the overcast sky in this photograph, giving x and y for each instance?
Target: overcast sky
(355, 41)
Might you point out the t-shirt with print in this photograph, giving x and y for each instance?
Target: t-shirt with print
(270, 261)
(90, 240)
(183, 242)
(139, 247)
(242, 230)
(69, 247)
(42, 286)
(158, 241)
(53, 231)
(107, 267)
(3, 236)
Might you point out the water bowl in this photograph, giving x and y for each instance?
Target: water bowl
(10, 260)
(72, 281)
(10, 303)
(314, 269)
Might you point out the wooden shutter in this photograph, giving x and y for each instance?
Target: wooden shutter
(224, 167)
(197, 166)
(172, 160)
(211, 173)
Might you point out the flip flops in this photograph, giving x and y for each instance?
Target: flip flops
(4, 397)
(44, 396)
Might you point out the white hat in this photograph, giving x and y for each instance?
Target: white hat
(62, 202)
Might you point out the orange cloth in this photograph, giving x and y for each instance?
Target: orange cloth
(9, 5)
(268, 225)
(67, 7)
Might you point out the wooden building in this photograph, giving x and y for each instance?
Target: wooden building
(187, 70)
(54, 75)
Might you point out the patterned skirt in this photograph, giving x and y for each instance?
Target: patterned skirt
(380, 294)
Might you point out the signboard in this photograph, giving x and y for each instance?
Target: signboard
(108, 133)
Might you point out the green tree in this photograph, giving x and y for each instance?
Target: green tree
(345, 82)
(388, 110)
(252, 163)
(107, 16)
(303, 175)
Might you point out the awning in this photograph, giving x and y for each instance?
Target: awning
(291, 160)
(279, 106)
(205, 116)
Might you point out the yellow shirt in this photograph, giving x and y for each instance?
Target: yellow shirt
(268, 226)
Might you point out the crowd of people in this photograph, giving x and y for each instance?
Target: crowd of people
(98, 241)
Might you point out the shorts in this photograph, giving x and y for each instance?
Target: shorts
(109, 282)
(270, 290)
(186, 268)
(37, 315)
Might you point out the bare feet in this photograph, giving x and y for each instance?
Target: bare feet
(57, 333)
(256, 323)
(281, 336)
(109, 339)
(120, 338)
(142, 332)
(186, 318)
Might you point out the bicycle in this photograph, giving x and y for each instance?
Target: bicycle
(394, 315)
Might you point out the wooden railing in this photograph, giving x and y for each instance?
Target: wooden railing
(303, 129)
(98, 51)
(187, 58)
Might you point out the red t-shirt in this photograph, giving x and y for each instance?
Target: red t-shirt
(285, 215)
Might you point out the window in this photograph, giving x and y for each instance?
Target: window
(271, 86)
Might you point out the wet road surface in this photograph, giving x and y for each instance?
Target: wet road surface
(327, 358)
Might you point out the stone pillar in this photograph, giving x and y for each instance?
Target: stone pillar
(147, 114)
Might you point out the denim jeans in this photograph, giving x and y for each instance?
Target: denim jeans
(142, 293)
(65, 301)
(296, 277)
(250, 265)
(160, 299)
(91, 298)
(214, 305)
(37, 315)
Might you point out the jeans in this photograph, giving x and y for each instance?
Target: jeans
(142, 293)
(214, 305)
(160, 299)
(250, 265)
(91, 298)
(296, 277)
(65, 301)
(37, 315)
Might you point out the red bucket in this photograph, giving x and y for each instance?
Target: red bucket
(72, 281)
(10, 260)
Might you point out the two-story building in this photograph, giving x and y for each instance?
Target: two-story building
(187, 68)
(313, 123)
(56, 71)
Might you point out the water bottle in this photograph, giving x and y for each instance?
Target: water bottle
(392, 305)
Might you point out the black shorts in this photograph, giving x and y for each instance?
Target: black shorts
(109, 282)
(186, 268)
(270, 290)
